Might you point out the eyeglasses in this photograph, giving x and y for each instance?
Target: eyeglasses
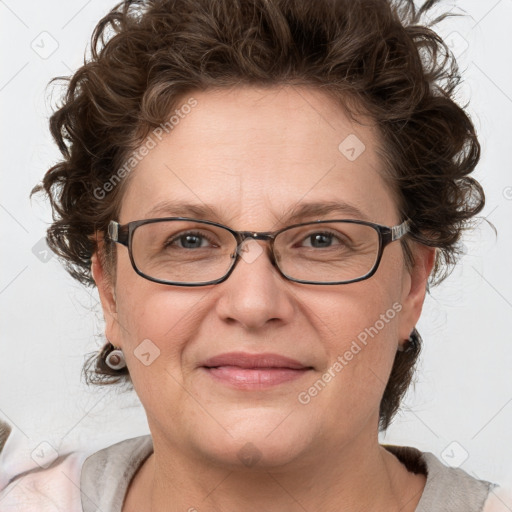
(188, 252)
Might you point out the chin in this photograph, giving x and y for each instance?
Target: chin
(254, 439)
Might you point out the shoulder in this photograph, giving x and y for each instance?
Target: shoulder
(500, 499)
(450, 489)
(107, 473)
(70, 481)
(40, 479)
(53, 489)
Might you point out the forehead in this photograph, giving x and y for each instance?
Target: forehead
(252, 155)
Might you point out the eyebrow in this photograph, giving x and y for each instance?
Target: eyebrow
(302, 211)
(321, 209)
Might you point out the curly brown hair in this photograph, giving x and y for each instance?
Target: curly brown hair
(373, 56)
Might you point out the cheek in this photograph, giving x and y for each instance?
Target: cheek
(155, 324)
(358, 325)
(361, 311)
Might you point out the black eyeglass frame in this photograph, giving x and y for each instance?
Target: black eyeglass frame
(123, 234)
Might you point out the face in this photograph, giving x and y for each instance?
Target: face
(253, 156)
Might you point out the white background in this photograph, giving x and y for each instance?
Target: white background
(461, 408)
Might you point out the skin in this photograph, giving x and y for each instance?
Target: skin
(254, 154)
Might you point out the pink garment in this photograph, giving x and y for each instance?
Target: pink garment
(27, 487)
(499, 500)
(56, 489)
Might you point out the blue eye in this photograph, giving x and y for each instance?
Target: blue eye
(188, 240)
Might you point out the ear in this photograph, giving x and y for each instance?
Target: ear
(415, 287)
(106, 291)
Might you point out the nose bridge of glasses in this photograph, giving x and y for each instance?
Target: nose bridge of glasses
(255, 235)
(248, 253)
(249, 236)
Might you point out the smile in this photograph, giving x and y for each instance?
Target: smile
(254, 371)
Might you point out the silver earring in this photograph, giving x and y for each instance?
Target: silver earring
(115, 360)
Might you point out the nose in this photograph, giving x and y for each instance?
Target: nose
(255, 293)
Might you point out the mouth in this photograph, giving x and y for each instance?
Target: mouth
(254, 371)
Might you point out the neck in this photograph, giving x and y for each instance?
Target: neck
(359, 476)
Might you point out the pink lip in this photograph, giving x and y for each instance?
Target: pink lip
(245, 360)
(253, 371)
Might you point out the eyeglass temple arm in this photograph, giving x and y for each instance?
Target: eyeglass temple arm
(115, 234)
(113, 231)
(399, 231)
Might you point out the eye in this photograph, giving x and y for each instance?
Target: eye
(322, 239)
(189, 240)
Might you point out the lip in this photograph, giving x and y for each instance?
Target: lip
(246, 360)
(253, 371)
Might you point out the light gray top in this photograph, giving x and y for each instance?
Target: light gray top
(107, 473)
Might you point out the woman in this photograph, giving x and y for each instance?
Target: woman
(262, 192)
